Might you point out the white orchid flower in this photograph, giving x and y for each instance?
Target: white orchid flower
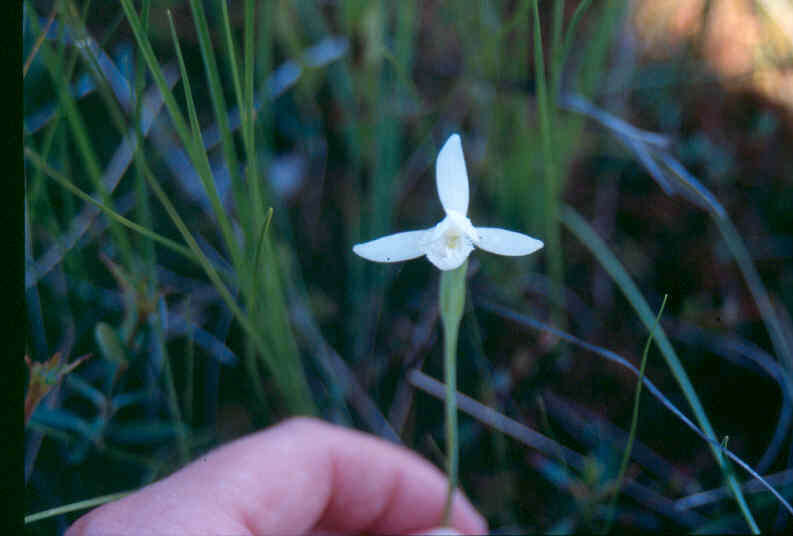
(448, 244)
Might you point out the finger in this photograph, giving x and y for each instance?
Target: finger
(300, 475)
(381, 488)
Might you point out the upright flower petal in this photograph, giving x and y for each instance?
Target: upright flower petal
(452, 177)
(503, 242)
(392, 248)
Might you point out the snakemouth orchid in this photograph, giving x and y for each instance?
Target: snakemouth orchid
(448, 244)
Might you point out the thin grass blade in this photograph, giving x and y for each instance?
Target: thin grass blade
(587, 236)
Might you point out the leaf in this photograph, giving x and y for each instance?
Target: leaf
(110, 344)
(44, 376)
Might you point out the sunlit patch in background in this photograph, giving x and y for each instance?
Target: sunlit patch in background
(747, 44)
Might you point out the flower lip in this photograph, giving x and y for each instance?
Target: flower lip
(449, 250)
(449, 243)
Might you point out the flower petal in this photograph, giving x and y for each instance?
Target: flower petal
(503, 242)
(451, 176)
(392, 248)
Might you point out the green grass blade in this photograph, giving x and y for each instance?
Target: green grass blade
(742, 256)
(37, 161)
(244, 94)
(195, 151)
(275, 341)
(82, 140)
(272, 316)
(189, 384)
(65, 70)
(221, 113)
(626, 456)
(249, 67)
(42, 35)
(568, 42)
(587, 236)
(287, 374)
(155, 69)
(143, 206)
(232, 57)
(202, 164)
(546, 424)
(598, 43)
(247, 115)
(546, 116)
(73, 507)
(556, 48)
(172, 401)
(37, 181)
(533, 323)
(91, 62)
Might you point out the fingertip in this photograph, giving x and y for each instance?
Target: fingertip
(480, 524)
(465, 517)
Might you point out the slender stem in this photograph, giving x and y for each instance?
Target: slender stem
(452, 462)
(452, 302)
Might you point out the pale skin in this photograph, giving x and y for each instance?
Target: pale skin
(302, 476)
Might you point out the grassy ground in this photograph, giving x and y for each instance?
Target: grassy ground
(211, 278)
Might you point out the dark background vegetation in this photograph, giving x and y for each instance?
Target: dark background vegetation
(345, 153)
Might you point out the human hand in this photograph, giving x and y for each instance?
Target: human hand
(298, 477)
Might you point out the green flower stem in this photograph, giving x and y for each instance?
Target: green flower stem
(452, 302)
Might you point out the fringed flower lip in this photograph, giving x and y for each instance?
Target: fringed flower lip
(448, 244)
